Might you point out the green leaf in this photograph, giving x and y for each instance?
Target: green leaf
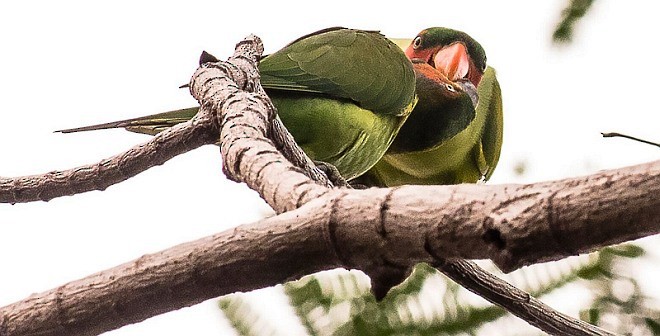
(427, 303)
(243, 318)
(340, 302)
(627, 250)
(591, 315)
(327, 301)
(570, 16)
(590, 273)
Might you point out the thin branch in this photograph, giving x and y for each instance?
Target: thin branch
(293, 153)
(615, 134)
(98, 176)
(516, 301)
(201, 130)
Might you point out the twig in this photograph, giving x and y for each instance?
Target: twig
(516, 301)
(615, 134)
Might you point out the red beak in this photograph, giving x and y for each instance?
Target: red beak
(453, 61)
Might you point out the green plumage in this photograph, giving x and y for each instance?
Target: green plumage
(347, 95)
(467, 157)
(342, 93)
(362, 66)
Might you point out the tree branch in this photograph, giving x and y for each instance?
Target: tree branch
(364, 229)
(376, 230)
(177, 140)
(243, 259)
(514, 300)
(248, 154)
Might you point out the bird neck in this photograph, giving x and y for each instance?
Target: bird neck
(438, 116)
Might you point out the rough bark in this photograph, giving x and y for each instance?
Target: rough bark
(380, 231)
(364, 229)
(247, 258)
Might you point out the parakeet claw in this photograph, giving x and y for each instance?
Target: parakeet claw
(332, 173)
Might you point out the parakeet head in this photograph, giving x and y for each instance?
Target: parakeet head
(452, 52)
(444, 109)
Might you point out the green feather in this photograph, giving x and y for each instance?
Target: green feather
(467, 157)
(318, 125)
(362, 66)
(490, 96)
(342, 93)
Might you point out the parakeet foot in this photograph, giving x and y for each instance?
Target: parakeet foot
(358, 186)
(332, 173)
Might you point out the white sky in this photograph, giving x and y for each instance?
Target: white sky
(65, 64)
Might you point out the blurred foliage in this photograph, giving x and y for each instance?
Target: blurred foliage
(569, 17)
(520, 168)
(243, 317)
(340, 302)
(619, 304)
(424, 304)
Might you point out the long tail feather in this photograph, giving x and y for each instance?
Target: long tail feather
(150, 124)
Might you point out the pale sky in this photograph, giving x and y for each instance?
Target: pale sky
(66, 64)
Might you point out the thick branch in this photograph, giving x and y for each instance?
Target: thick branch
(248, 153)
(364, 229)
(247, 258)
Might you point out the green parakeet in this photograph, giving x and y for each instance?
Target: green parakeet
(441, 143)
(342, 93)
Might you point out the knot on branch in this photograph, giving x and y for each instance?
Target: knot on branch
(215, 80)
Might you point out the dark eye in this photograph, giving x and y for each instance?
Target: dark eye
(417, 42)
(450, 88)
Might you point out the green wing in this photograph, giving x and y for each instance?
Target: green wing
(359, 65)
(490, 106)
